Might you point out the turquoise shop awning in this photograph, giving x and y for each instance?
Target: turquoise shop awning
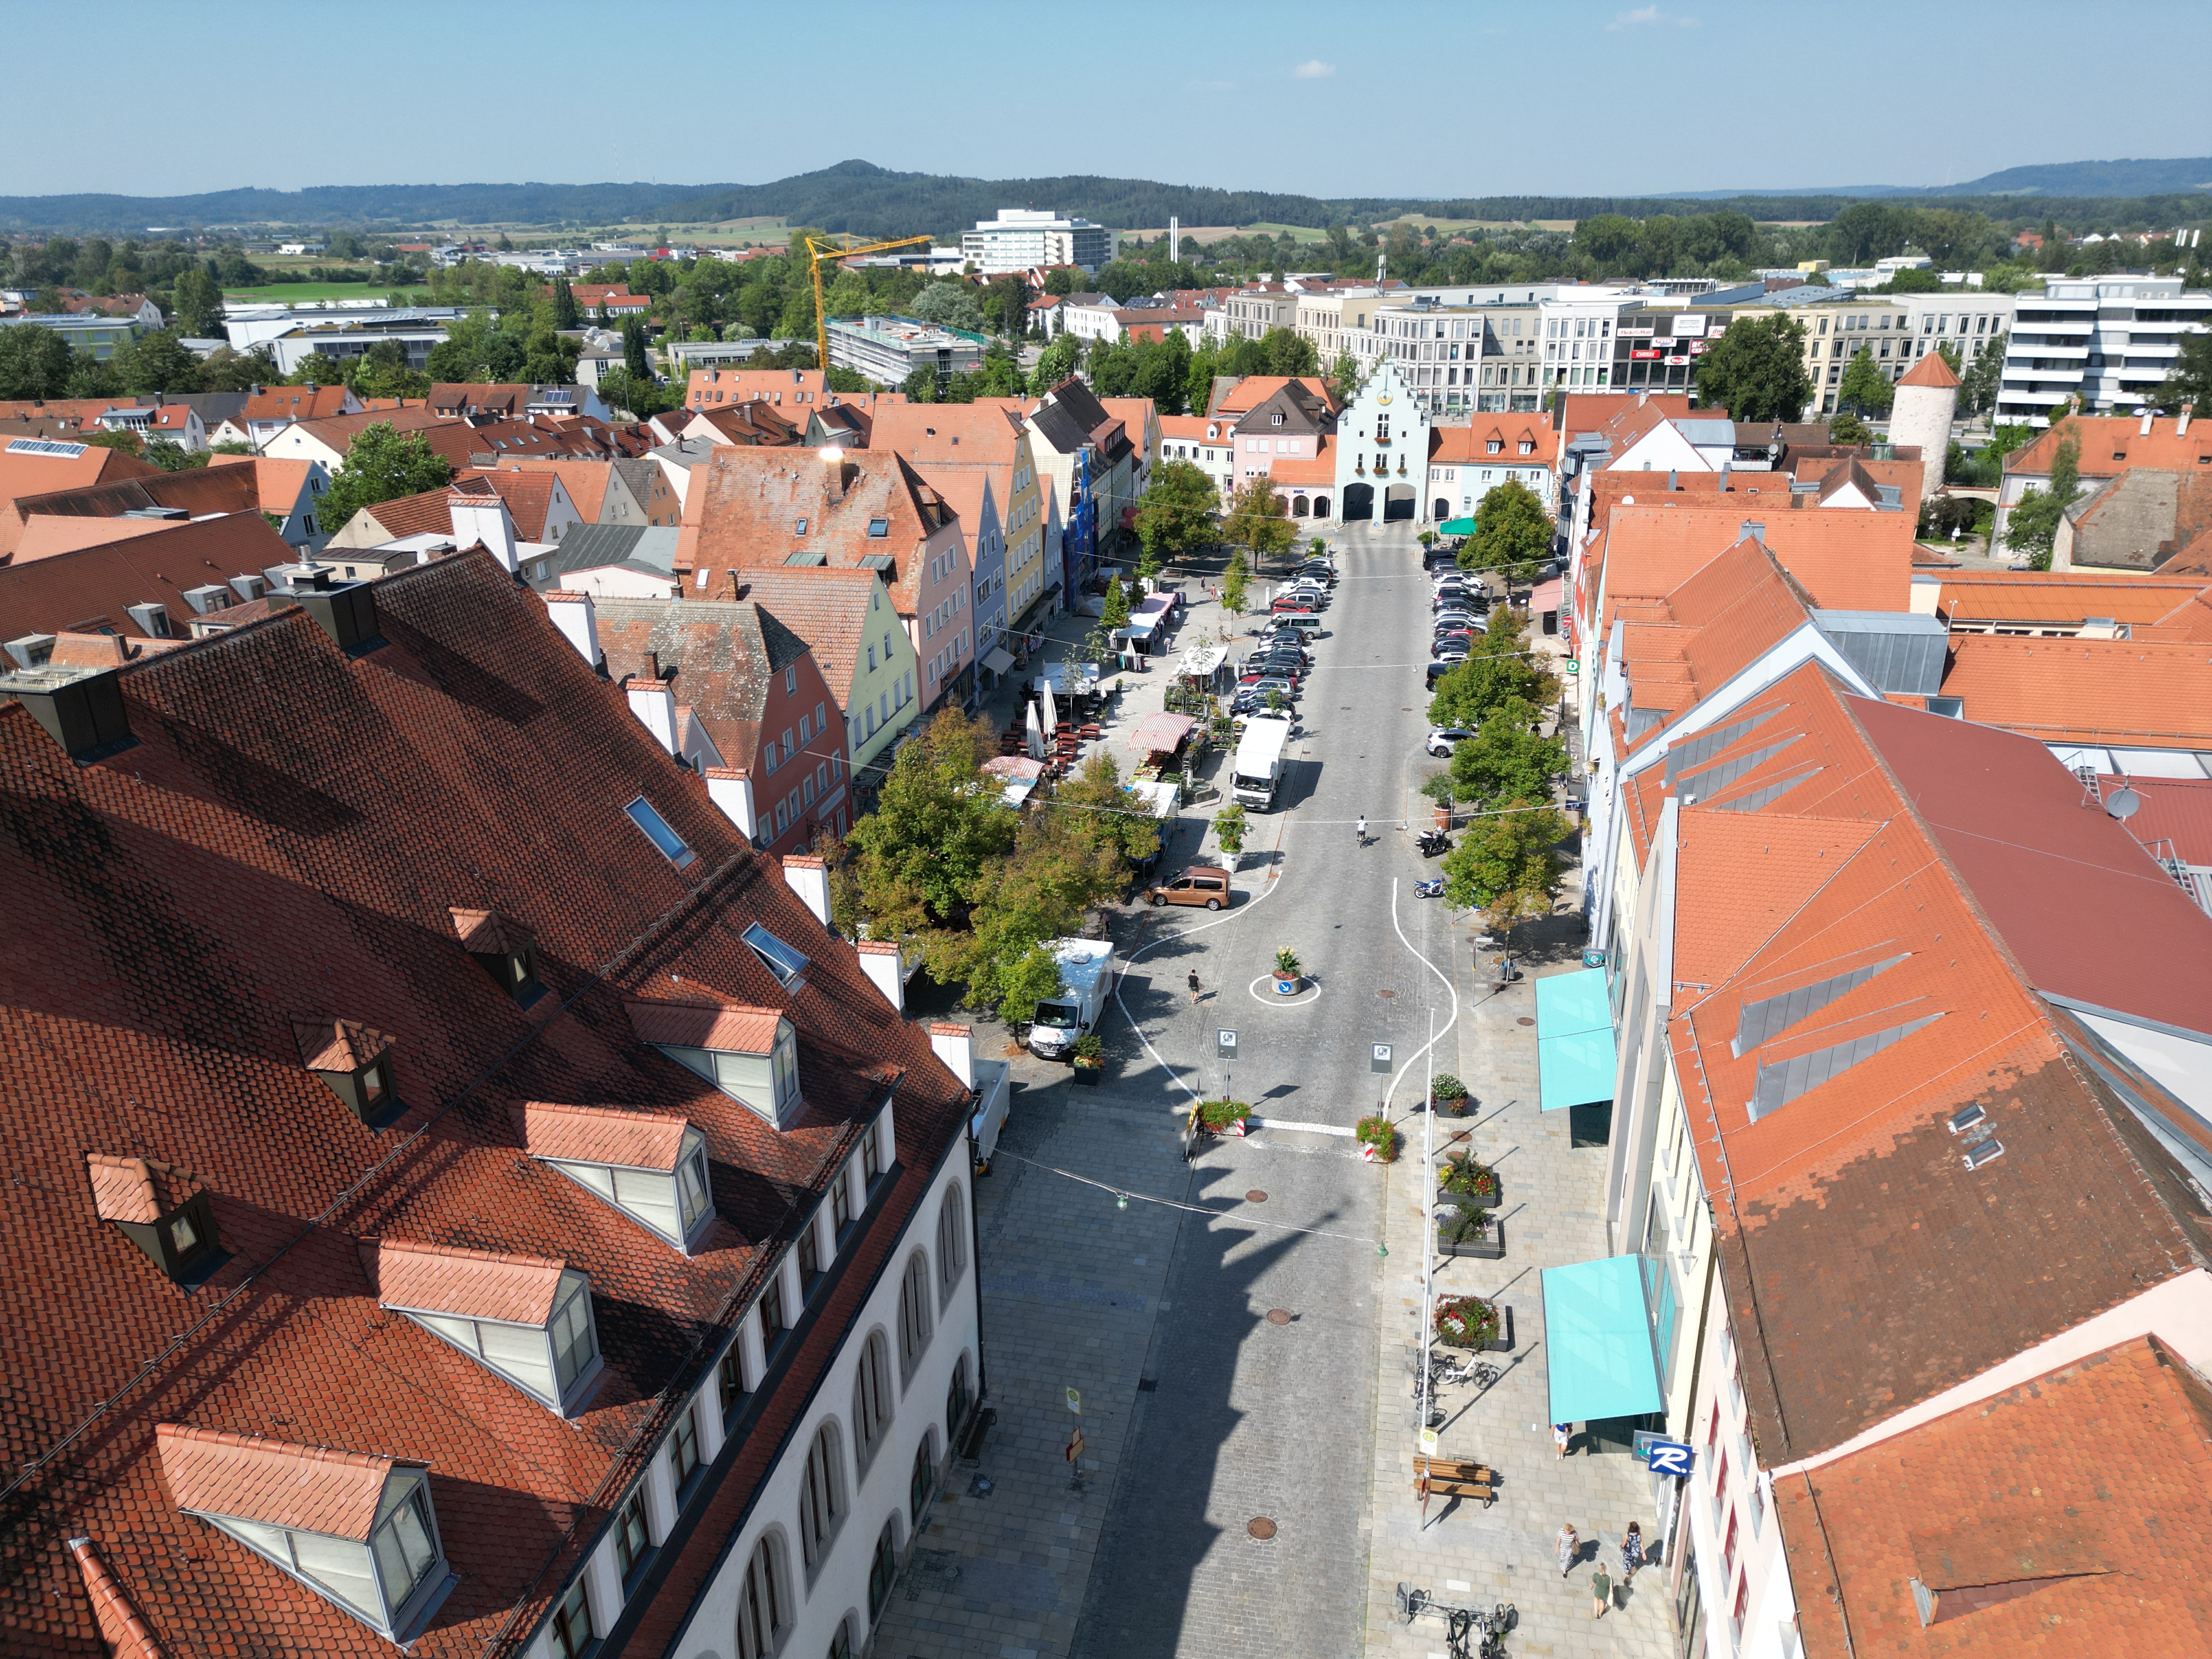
(1574, 1040)
(1457, 528)
(1597, 1341)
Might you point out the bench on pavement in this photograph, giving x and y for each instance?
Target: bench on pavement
(1444, 1477)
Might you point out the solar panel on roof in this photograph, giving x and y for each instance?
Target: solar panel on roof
(45, 447)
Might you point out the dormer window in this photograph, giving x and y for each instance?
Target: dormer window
(1528, 446)
(356, 1529)
(353, 1061)
(751, 1054)
(1494, 447)
(212, 597)
(786, 963)
(164, 1211)
(507, 949)
(526, 1318)
(653, 1169)
(153, 620)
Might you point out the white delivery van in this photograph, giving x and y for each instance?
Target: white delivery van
(1086, 974)
(1258, 766)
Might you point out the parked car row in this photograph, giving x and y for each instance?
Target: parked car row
(1280, 662)
(1459, 605)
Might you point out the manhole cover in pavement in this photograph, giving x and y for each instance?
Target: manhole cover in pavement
(1278, 1315)
(1255, 1196)
(1524, 1020)
(1260, 1527)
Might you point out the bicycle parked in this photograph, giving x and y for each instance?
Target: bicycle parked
(1460, 1622)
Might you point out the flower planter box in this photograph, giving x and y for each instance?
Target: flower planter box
(1288, 987)
(1089, 1075)
(1455, 1104)
(1488, 1245)
(1501, 1343)
(1493, 1199)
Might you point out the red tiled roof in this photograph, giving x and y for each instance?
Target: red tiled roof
(601, 1134)
(295, 403)
(121, 1625)
(1237, 401)
(1930, 371)
(743, 511)
(274, 1482)
(2111, 444)
(2065, 596)
(26, 472)
(688, 1024)
(122, 1189)
(488, 933)
(2079, 901)
(1465, 446)
(337, 1045)
(248, 857)
(2136, 693)
(467, 1283)
(827, 609)
(74, 592)
(1849, 1193)
(2059, 1518)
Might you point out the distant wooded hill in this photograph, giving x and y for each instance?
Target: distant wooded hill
(869, 200)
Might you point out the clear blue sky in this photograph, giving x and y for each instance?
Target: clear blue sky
(1430, 98)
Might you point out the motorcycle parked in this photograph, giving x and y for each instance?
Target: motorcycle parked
(1429, 889)
(1431, 842)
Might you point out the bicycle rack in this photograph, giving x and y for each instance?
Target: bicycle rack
(1491, 1624)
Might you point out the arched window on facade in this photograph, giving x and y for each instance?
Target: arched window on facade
(872, 1399)
(912, 1315)
(764, 1602)
(951, 1244)
(821, 1497)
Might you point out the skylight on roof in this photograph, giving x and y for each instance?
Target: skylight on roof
(879, 527)
(786, 963)
(642, 814)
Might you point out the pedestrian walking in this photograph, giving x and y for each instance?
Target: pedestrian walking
(1359, 832)
(1601, 1593)
(1570, 1549)
(1195, 987)
(1561, 1433)
(1632, 1553)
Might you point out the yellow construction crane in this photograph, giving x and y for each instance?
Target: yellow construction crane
(830, 251)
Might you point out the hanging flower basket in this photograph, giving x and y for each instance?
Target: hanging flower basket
(1465, 1321)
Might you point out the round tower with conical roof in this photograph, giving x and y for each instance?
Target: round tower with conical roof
(1927, 401)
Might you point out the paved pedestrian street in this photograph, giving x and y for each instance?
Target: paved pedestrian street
(1239, 1340)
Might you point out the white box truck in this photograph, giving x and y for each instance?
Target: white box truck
(1086, 974)
(1258, 766)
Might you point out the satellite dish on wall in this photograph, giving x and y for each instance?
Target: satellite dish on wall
(2123, 804)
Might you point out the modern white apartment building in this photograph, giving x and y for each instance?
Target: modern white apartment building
(2104, 341)
(1020, 237)
(889, 349)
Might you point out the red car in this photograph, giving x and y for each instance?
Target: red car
(1291, 608)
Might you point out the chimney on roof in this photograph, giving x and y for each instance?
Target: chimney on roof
(655, 705)
(2181, 427)
(731, 790)
(1724, 476)
(809, 880)
(572, 614)
(833, 471)
(486, 519)
(1755, 530)
(81, 708)
(1674, 480)
(313, 388)
(956, 1045)
(1642, 398)
(2144, 430)
(880, 961)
